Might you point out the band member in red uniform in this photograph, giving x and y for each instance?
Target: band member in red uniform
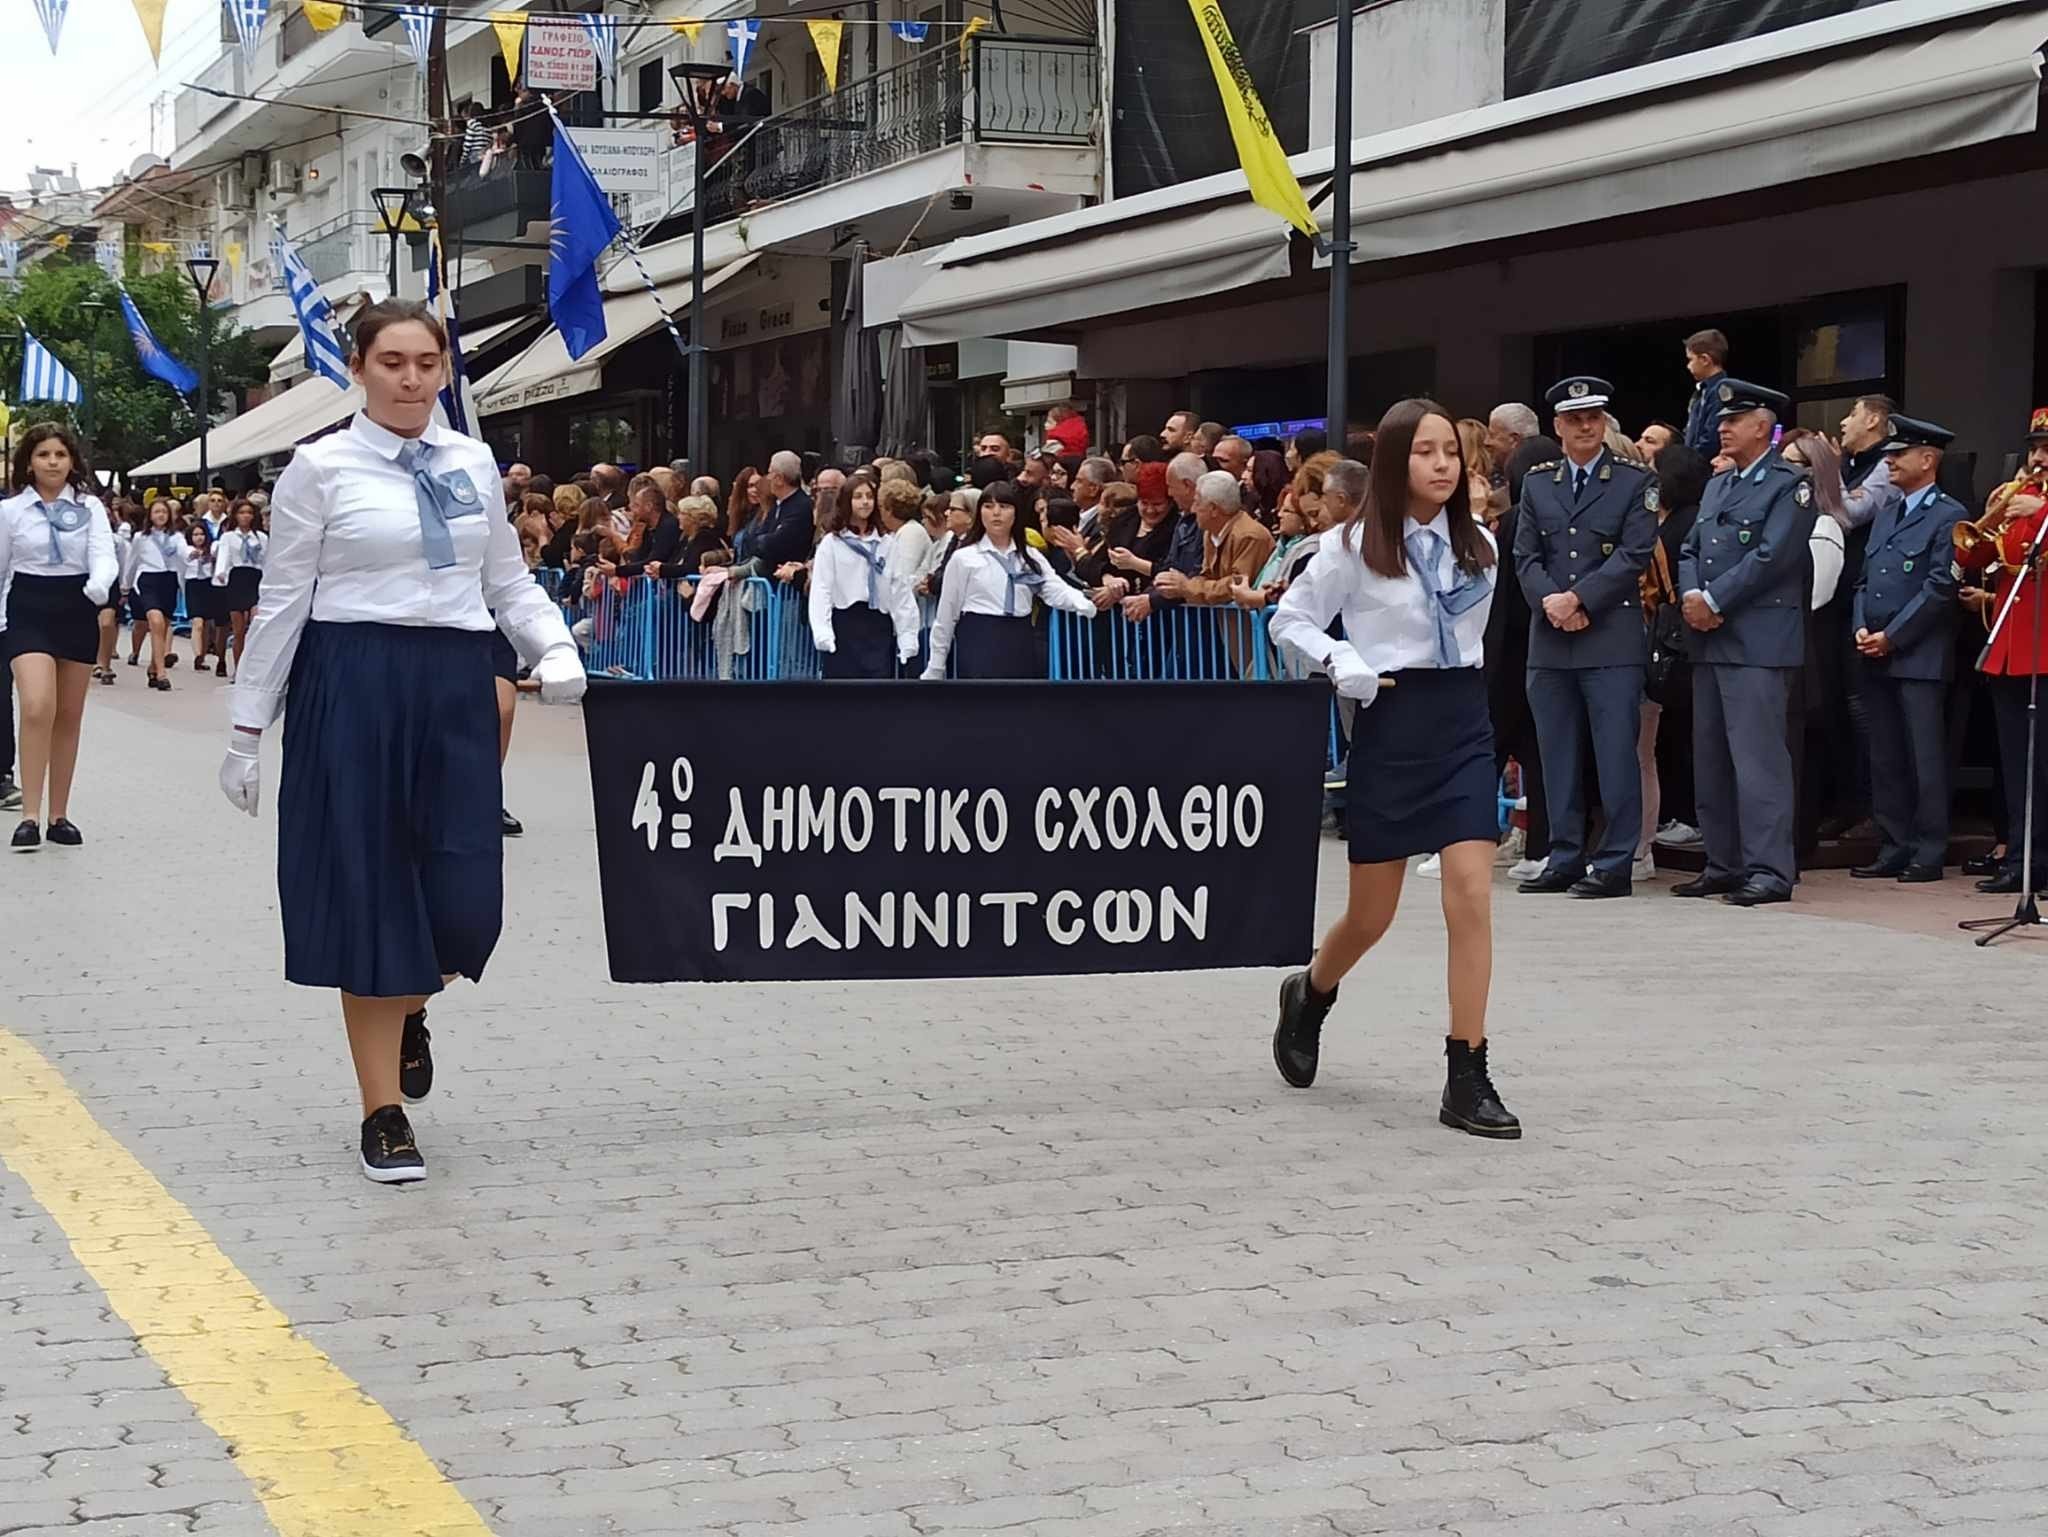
(1989, 557)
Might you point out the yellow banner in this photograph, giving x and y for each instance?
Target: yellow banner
(1258, 148)
(967, 35)
(689, 29)
(324, 15)
(233, 252)
(151, 14)
(511, 29)
(826, 37)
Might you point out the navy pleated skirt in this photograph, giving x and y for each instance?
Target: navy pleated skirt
(205, 601)
(864, 642)
(1421, 776)
(50, 616)
(504, 657)
(156, 592)
(390, 857)
(245, 586)
(985, 646)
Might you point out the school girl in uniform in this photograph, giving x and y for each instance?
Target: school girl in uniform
(57, 566)
(156, 576)
(984, 615)
(389, 549)
(111, 610)
(205, 603)
(1411, 573)
(239, 570)
(863, 623)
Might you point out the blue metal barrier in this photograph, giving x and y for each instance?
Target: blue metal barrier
(1176, 642)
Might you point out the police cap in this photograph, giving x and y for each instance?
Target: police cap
(1910, 432)
(1581, 392)
(1739, 397)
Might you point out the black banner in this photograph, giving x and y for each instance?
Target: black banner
(753, 832)
(1551, 44)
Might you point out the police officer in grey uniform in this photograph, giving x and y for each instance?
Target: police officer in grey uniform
(1903, 627)
(1582, 537)
(1744, 573)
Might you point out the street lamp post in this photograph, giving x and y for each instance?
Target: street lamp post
(91, 413)
(393, 204)
(1341, 245)
(202, 270)
(686, 75)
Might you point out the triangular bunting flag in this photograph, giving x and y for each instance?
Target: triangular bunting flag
(248, 17)
(826, 37)
(744, 35)
(323, 15)
(911, 31)
(419, 32)
(511, 29)
(151, 14)
(52, 14)
(967, 35)
(689, 29)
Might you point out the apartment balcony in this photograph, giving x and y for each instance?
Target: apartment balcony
(935, 145)
(313, 71)
(499, 206)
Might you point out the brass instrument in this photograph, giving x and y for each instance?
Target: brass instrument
(1976, 543)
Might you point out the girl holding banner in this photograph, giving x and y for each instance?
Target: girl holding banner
(388, 551)
(985, 596)
(1411, 573)
(862, 621)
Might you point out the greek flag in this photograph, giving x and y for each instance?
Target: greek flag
(744, 34)
(325, 354)
(457, 401)
(42, 376)
(248, 17)
(604, 42)
(149, 352)
(910, 31)
(419, 32)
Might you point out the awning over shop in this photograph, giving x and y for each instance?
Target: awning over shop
(545, 371)
(279, 423)
(1891, 82)
(292, 357)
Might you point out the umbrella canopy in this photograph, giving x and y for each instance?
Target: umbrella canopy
(857, 404)
(906, 402)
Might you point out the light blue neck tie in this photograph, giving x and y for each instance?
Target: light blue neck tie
(167, 545)
(1445, 607)
(65, 517)
(435, 539)
(1018, 572)
(873, 557)
(252, 554)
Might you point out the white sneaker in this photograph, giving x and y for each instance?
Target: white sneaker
(1527, 870)
(1678, 835)
(1512, 847)
(1432, 867)
(1644, 869)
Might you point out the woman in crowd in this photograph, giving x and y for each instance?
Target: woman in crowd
(901, 509)
(1664, 749)
(535, 526)
(862, 621)
(1135, 560)
(205, 603)
(239, 566)
(1270, 584)
(703, 543)
(156, 575)
(559, 551)
(1265, 480)
(960, 509)
(1411, 574)
(389, 548)
(57, 567)
(1489, 502)
(745, 516)
(1821, 678)
(985, 600)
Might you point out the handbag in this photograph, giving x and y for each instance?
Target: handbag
(1668, 643)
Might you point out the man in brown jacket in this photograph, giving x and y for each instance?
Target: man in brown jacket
(1234, 544)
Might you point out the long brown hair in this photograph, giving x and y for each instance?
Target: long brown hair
(81, 478)
(739, 507)
(1374, 528)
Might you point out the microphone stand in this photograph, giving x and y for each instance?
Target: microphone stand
(2027, 914)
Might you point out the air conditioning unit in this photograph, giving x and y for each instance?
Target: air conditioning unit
(287, 177)
(228, 187)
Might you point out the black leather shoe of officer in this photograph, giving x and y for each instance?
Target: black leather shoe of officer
(1919, 875)
(1298, 1042)
(1596, 885)
(1471, 1103)
(1552, 879)
(1758, 893)
(1881, 870)
(1704, 885)
(1984, 864)
(2005, 883)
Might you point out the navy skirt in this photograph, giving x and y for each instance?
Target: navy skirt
(504, 657)
(245, 583)
(205, 601)
(985, 646)
(864, 642)
(50, 616)
(390, 858)
(1421, 776)
(156, 592)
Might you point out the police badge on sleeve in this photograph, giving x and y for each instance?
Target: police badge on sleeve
(1803, 493)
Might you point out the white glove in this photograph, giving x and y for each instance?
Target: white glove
(560, 676)
(1351, 677)
(95, 593)
(826, 647)
(932, 675)
(241, 772)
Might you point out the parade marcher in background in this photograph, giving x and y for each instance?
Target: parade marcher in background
(156, 577)
(1412, 574)
(1584, 535)
(238, 567)
(110, 611)
(205, 604)
(389, 550)
(57, 566)
(1706, 359)
(1904, 605)
(1995, 555)
(1744, 586)
(862, 621)
(985, 596)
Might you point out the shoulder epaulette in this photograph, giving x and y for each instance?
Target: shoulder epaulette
(1547, 464)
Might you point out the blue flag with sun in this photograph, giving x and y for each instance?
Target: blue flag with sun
(581, 225)
(149, 352)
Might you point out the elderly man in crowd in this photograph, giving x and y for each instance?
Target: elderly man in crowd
(1508, 426)
(1094, 473)
(788, 538)
(1234, 548)
(518, 477)
(1232, 455)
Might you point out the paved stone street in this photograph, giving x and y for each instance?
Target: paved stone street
(1056, 1258)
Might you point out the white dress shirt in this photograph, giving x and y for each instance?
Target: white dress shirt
(199, 564)
(839, 579)
(156, 550)
(345, 547)
(978, 582)
(1389, 622)
(1829, 550)
(86, 551)
(235, 550)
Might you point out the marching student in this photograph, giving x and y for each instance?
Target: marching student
(389, 550)
(1412, 574)
(239, 569)
(985, 596)
(205, 604)
(57, 566)
(156, 576)
(862, 622)
(110, 611)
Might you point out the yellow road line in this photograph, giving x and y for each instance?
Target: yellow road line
(322, 1456)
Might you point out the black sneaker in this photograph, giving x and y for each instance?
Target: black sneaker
(415, 1060)
(1297, 1043)
(10, 793)
(1470, 1101)
(508, 824)
(27, 838)
(62, 832)
(390, 1156)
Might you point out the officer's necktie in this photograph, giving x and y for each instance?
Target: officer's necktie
(435, 539)
(1018, 572)
(1579, 476)
(65, 517)
(874, 560)
(1422, 545)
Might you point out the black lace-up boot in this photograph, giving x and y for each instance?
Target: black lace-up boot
(1297, 1043)
(1471, 1103)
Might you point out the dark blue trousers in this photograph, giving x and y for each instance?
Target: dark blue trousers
(1568, 704)
(1908, 764)
(1742, 766)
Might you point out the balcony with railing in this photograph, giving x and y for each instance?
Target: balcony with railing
(197, 107)
(351, 243)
